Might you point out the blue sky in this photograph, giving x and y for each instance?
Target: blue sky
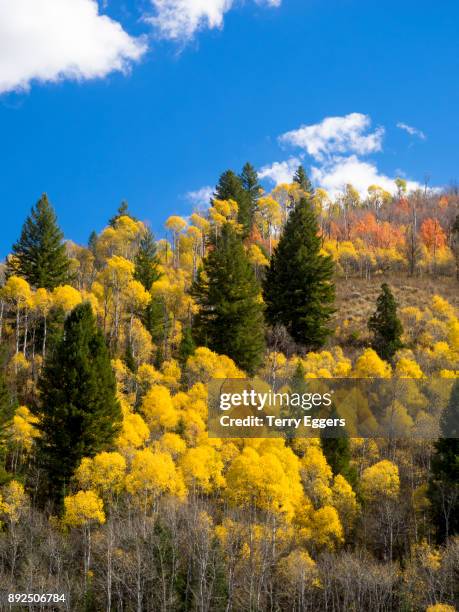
(157, 98)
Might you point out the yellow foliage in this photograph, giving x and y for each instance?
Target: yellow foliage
(175, 223)
(260, 480)
(202, 468)
(442, 307)
(171, 374)
(441, 607)
(380, 480)
(134, 432)
(205, 364)
(136, 296)
(370, 365)
(66, 297)
(256, 256)
(13, 501)
(17, 290)
(173, 444)
(408, 368)
(83, 509)
(147, 376)
(42, 301)
(316, 475)
(344, 500)
(298, 568)
(326, 528)
(24, 429)
(158, 408)
(453, 334)
(154, 474)
(141, 344)
(105, 472)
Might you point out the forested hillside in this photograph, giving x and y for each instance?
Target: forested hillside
(112, 491)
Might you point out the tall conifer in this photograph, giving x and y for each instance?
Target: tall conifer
(303, 181)
(79, 412)
(39, 255)
(230, 187)
(230, 319)
(298, 287)
(249, 179)
(385, 325)
(443, 488)
(146, 261)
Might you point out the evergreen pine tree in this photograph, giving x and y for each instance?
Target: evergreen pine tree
(385, 325)
(298, 288)
(123, 211)
(443, 488)
(187, 346)
(79, 412)
(303, 181)
(7, 406)
(92, 242)
(146, 261)
(337, 450)
(298, 382)
(230, 319)
(249, 179)
(146, 272)
(230, 187)
(39, 254)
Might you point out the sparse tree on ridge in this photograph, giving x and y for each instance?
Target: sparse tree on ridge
(385, 325)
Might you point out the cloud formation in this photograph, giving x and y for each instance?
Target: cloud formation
(361, 174)
(412, 131)
(280, 172)
(336, 146)
(179, 20)
(201, 197)
(51, 40)
(336, 135)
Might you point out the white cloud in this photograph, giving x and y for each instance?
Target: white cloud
(200, 197)
(336, 135)
(412, 131)
(50, 40)
(280, 172)
(335, 175)
(181, 19)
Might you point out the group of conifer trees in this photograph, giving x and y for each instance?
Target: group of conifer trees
(78, 410)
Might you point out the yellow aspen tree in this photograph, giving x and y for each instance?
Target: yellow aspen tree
(17, 291)
(175, 225)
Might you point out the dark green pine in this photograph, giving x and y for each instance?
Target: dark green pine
(79, 411)
(123, 211)
(443, 490)
(230, 187)
(187, 346)
(7, 407)
(146, 261)
(230, 317)
(252, 187)
(385, 325)
(303, 181)
(298, 288)
(39, 255)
